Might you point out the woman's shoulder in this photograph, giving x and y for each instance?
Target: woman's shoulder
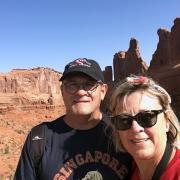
(172, 169)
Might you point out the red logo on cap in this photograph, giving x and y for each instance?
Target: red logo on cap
(80, 62)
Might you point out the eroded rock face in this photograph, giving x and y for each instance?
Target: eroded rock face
(162, 55)
(165, 64)
(168, 48)
(30, 87)
(108, 74)
(175, 41)
(129, 62)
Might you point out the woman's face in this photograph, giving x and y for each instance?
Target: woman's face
(143, 143)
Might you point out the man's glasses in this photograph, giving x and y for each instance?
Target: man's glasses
(145, 119)
(89, 86)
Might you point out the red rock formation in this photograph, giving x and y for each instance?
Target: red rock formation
(165, 65)
(175, 41)
(108, 73)
(30, 87)
(161, 57)
(130, 62)
(168, 48)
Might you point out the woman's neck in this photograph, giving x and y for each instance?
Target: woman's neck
(146, 168)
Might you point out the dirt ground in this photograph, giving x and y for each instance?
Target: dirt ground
(14, 126)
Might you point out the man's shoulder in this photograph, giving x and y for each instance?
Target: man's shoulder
(40, 136)
(48, 125)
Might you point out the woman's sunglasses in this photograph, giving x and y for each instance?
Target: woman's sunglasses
(145, 119)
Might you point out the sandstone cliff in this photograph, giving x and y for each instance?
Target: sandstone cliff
(165, 63)
(129, 62)
(30, 87)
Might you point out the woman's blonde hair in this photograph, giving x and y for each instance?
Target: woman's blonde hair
(134, 83)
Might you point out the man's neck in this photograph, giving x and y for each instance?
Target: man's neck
(83, 122)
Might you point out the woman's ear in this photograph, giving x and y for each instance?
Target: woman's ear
(167, 117)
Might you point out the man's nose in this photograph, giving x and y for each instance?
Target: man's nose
(81, 89)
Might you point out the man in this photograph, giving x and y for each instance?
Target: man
(77, 144)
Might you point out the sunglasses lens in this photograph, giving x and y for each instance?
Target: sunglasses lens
(147, 119)
(121, 122)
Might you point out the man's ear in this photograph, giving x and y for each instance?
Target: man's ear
(104, 89)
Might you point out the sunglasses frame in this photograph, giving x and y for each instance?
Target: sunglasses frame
(115, 120)
(78, 86)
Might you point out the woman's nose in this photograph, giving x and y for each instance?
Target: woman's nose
(136, 127)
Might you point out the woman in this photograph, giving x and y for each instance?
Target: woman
(146, 127)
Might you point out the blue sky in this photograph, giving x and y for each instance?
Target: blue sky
(50, 33)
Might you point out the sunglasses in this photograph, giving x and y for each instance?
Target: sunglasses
(145, 119)
(89, 86)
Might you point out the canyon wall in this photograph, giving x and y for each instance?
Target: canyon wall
(129, 62)
(164, 66)
(38, 86)
(165, 63)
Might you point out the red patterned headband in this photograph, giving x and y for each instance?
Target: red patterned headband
(137, 80)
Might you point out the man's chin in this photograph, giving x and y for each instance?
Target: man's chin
(81, 112)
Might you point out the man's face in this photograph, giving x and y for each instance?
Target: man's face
(82, 95)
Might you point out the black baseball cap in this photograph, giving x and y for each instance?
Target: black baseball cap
(83, 65)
